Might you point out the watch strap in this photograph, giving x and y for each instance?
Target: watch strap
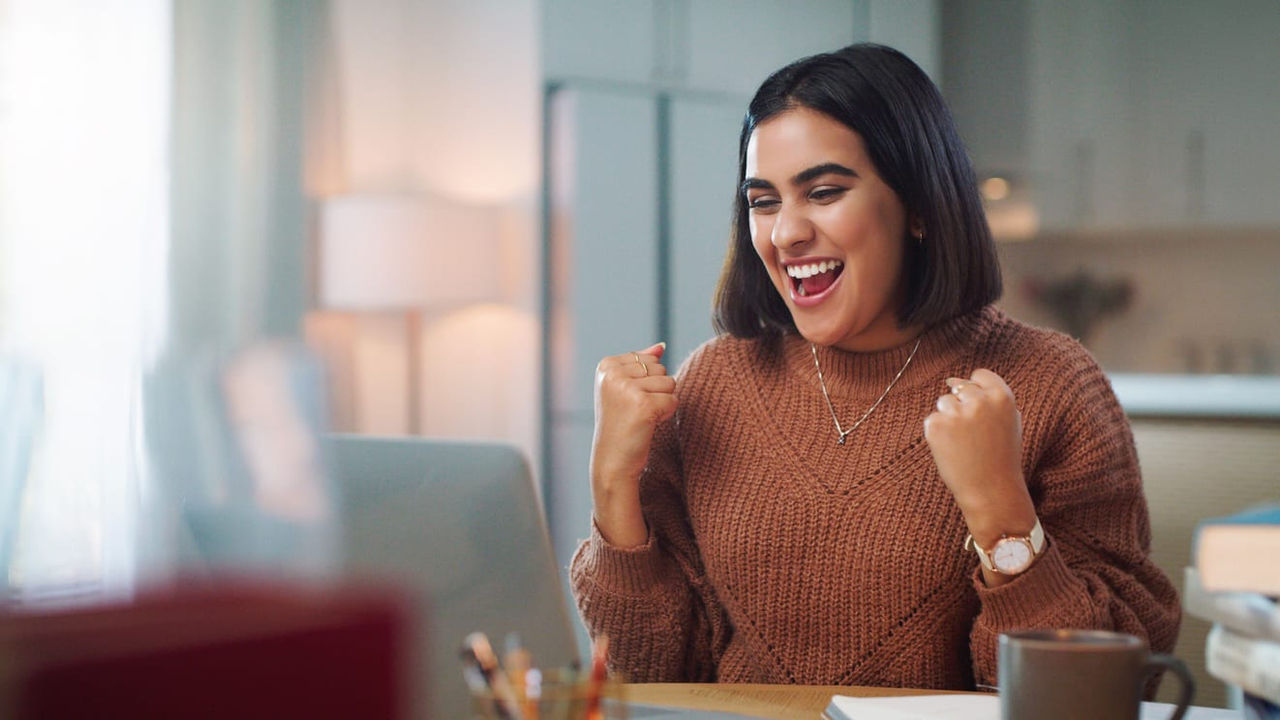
(1035, 538)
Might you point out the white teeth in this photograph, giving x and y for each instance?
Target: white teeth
(801, 272)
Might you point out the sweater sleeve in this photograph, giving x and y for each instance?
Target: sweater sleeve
(1096, 572)
(653, 601)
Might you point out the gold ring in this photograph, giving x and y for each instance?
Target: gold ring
(646, 368)
(636, 355)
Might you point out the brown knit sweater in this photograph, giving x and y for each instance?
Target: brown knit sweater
(777, 556)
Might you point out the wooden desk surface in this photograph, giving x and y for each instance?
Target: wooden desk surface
(798, 702)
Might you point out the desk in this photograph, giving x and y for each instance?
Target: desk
(786, 702)
(806, 702)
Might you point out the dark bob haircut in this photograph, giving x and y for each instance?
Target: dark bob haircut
(911, 139)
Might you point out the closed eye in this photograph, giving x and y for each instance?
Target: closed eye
(826, 194)
(764, 203)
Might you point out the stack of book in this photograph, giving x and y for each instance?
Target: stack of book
(1235, 584)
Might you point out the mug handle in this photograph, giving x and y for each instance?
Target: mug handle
(1160, 661)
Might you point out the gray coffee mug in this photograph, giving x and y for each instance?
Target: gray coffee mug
(1069, 674)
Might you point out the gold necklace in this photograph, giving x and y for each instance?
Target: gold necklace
(876, 404)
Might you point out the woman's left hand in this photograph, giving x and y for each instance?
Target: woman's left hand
(975, 436)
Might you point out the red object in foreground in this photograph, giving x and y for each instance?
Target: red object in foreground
(243, 652)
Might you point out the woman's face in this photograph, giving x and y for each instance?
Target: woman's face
(829, 231)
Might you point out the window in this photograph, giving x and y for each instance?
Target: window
(84, 135)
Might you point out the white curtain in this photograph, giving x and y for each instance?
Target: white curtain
(240, 85)
(151, 217)
(84, 127)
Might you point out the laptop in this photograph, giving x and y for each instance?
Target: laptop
(458, 525)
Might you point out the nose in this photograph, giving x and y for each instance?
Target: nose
(791, 228)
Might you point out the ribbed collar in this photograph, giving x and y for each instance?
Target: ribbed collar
(944, 350)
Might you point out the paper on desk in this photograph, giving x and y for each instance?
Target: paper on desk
(977, 707)
(919, 707)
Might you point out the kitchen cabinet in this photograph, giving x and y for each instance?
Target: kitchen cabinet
(602, 261)
(1081, 120)
(733, 45)
(1122, 113)
(602, 274)
(615, 40)
(721, 46)
(629, 262)
(1209, 102)
(702, 176)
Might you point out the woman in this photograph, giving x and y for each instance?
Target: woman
(872, 472)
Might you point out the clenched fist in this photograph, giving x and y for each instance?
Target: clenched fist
(975, 436)
(633, 394)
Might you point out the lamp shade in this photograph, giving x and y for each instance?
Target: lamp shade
(395, 252)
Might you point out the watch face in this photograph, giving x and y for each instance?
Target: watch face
(1011, 555)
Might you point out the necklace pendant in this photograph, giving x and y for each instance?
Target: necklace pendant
(822, 383)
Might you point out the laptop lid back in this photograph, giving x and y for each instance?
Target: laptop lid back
(459, 526)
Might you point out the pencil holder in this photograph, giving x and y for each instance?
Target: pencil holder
(560, 695)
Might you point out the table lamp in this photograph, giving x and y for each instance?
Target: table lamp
(406, 253)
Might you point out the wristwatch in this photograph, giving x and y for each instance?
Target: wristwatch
(1011, 554)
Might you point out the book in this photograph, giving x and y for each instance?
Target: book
(1251, 663)
(972, 706)
(1256, 708)
(1238, 553)
(913, 707)
(1246, 613)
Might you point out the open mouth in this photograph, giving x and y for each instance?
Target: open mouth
(814, 278)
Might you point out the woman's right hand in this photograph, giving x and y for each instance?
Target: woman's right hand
(633, 394)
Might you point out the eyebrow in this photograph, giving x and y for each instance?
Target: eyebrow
(801, 177)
